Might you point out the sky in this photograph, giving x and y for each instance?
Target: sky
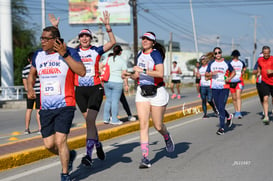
(227, 23)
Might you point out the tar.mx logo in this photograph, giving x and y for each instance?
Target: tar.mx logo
(241, 163)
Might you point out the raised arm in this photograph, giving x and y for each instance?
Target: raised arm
(55, 22)
(112, 40)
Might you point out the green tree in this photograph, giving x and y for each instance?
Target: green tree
(23, 38)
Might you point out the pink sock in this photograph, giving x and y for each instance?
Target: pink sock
(166, 136)
(144, 149)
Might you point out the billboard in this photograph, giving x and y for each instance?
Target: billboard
(90, 11)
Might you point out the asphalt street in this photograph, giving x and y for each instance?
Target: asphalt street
(243, 153)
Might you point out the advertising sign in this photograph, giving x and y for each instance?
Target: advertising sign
(90, 11)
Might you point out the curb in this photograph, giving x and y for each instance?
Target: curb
(13, 160)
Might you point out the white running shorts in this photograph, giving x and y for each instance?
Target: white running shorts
(160, 99)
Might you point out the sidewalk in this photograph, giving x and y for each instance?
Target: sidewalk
(29, 150)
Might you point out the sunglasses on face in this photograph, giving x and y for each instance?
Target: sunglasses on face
(145, 38)
(215, 53)
(46, 38)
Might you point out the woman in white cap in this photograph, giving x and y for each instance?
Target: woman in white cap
(151, 95)
(89, 91)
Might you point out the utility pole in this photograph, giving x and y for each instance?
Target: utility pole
(232, 44)
(43, 13)
(171, 47)
(134, 5)
(255, 41)
(218, 41)
(194, 32)
(171, 54)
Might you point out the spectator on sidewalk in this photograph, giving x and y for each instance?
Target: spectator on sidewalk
(176, 80)
(31, 102)
(114, 86)
(124, 102)
(56, 66)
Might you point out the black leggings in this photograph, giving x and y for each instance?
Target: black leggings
(260, 92)
(125, 103)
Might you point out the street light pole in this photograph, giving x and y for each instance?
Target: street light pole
(134, 5)
(194, 32)
(43, 13)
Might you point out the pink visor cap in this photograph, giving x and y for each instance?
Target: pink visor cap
(85, 32)
(149, 36)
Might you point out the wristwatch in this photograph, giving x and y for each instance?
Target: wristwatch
(66, 55)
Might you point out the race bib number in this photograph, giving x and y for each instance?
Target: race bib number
(220, 78)
(51, 88)
(90, 69)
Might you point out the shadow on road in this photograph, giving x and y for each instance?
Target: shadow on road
(113, 157)
(179, 149)
(116, 155)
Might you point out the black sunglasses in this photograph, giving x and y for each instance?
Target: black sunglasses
(146, 38)
(215, 53)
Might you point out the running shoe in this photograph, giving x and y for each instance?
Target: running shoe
(205, 116)
(266, 120)
(170, 144)
(100, 152)
(72, 157)
(116, 122)
(131, 118)
(216, 113)
(145, 163)
(178, 97)
(173, 96)
(236, 115)
(65, 177)
(240, 116)
(27, 131)
(39, 132)
(106, 121)
(229, 121)
(220, 131)
(87, 161)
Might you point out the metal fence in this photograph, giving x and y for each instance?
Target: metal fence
(12, 93)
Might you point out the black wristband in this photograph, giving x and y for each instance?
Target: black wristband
(66, 55)
(109, 30)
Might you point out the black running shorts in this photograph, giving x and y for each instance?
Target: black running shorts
(267, 89)
(30, 102)
(176, 81)
(56, 120)
(89, 97)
